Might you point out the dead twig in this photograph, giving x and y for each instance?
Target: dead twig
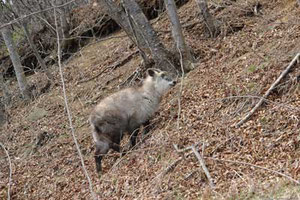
(200, 159)
(190, 175)
(10, 170)
(283, 74)
(256, 97)
(256, 166)
(170, 168)
(93, 194)
(184, 149)
(181, 88)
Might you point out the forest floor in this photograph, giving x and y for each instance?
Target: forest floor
(231, 72)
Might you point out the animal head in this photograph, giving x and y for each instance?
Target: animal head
(160, 80)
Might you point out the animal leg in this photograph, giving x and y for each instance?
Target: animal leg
(116, 140)
(133, 137)
(147, 127)
(102, 148)
(117, 148)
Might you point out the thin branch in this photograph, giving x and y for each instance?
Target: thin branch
(69, 112)
(34, 13)
(201, 161)
(256, 166)
(184, 149)
(170, 167)
(47, 23)
(257, 97)
(160, 175)
(181, 86)
(283, 74)
(10, 171)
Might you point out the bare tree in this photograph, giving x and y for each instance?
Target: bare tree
(35, 51)
(211, 24)
(19, 8)
(159, 53)
(118, 14)
(178, 35)
(15, 58)
(146, 37)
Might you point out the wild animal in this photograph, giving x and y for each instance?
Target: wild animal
(126, 111)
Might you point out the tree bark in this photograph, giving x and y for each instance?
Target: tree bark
(146, 37)
(120, 17)
(178, 35)
(158, 51)
(210, 22)
(35, 51)
(15, 58)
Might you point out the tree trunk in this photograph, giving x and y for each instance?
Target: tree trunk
(64, 28)
(159, 53)
(178, 35)
(35, 51)
(15, 58)
(120, 17)
(211, 24)
(146, 37)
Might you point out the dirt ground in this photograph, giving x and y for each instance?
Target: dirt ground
(259, 160)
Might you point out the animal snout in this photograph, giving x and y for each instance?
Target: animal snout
(173, 83)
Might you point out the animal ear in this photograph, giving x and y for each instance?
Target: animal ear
(151, 72)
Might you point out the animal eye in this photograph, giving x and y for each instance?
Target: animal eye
(163, 76)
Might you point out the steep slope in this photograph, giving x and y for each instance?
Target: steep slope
(232, 70)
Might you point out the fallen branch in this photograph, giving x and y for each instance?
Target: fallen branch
(157, 179)
(184, 149)
(283, 74)
(200, 159)
(256, 166)
(113, 67)
(170, 167)
(10, 170)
